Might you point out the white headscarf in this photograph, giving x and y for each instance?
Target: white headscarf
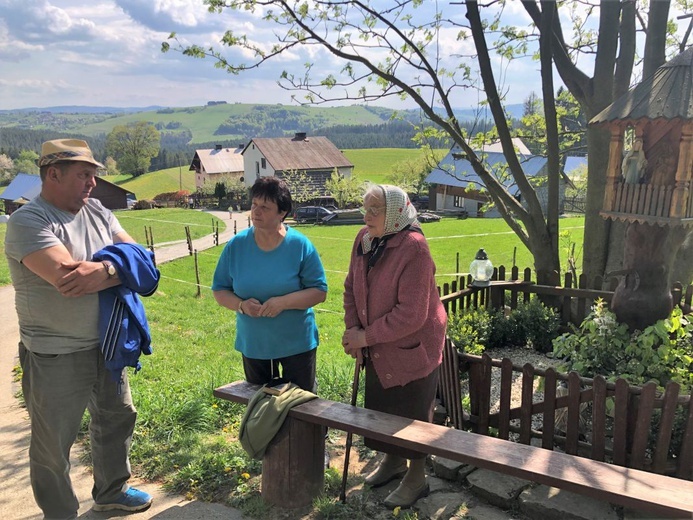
(399, 213)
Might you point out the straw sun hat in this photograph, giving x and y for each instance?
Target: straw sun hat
(60, 150)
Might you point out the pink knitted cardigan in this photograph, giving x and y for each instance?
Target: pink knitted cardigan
(397, 304)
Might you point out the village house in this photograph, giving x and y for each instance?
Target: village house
(455, 186)
(25, 187)
(217, 164)
(317, 156)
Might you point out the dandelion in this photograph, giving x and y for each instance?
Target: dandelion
(245, 475)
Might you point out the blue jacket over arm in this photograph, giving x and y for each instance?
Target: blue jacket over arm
(123, 328)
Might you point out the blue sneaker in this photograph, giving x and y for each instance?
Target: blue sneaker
(132, 500)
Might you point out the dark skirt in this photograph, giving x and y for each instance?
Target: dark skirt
(415, 400)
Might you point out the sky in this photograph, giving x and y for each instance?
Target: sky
(108, 53)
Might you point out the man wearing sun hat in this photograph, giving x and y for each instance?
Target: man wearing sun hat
(49, 245)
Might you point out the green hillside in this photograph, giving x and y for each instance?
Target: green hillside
(375, 164)
(204, 122)
(162, 181)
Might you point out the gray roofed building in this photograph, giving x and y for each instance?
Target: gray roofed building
(210, 165)
(459, 188)
(300, 153)
(25, 187)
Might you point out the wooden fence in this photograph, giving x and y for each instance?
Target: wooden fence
(630, 426)
(573, 300)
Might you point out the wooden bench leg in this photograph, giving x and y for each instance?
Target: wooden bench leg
(293, 468)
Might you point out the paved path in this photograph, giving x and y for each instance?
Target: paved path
(16, 497)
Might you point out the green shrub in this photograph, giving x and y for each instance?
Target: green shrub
(504, 331)
(536, 324)
(662, 352)
(469, 330)
(531, 324)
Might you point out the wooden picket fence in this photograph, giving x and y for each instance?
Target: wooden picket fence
(573, 300)
(606, 421)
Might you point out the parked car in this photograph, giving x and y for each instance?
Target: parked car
(428, 217)
(313, 214)
(420, 202)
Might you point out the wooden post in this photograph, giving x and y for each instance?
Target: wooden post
(150, 238)
(197, 275)
(613, 170)
(189, 240)
(680, 199)
(457, 265)
(293, 468)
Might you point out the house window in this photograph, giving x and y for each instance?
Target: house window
(264, 163)
(458, 201)
(257, 168)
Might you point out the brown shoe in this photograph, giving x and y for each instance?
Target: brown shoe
(405, 496)
(386, 473)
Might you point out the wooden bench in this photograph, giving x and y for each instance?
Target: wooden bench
(293, 466)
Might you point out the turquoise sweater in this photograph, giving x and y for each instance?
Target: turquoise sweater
(250, 272)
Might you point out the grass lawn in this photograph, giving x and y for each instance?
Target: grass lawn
(162, 181)
(188, 439)
(375, 164)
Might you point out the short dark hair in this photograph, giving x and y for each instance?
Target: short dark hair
(62, 165)
(274, 189)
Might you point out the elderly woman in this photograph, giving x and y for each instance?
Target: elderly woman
(395, 323)
(272, 276)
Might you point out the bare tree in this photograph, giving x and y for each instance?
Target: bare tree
(388, 51)
(394, 50)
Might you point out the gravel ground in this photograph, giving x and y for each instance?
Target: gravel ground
(519, 356)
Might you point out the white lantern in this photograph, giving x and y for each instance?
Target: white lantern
(481, 269)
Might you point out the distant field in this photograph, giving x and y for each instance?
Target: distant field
(375, 164)
(204, 121)
(161, 181)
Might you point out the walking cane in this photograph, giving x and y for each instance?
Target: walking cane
(354, 394)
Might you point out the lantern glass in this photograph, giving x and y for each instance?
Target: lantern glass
(481, 269)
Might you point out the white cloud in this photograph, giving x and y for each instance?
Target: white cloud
(107, 52)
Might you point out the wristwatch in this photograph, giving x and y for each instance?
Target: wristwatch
(240, 309)
(109, 268)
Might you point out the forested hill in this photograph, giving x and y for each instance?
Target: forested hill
(185, 129)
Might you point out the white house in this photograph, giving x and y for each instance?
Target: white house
(317, 156)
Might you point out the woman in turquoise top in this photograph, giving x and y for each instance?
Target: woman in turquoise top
(271, 276)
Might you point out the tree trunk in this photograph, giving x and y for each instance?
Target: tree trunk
(682, 271)
(644, 294)
(597, 229)
(655, 43)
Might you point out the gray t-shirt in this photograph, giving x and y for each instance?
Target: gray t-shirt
(50, 323)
